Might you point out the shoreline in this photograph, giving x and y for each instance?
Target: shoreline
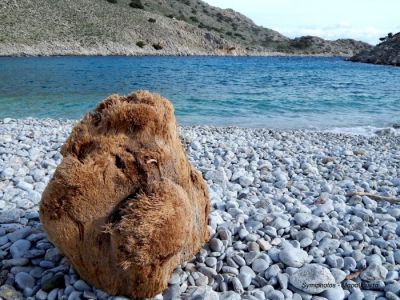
(135, 53)
(282, 223)
(365, 131)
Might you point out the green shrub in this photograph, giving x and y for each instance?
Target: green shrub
(112, 1)
(136, 4)
(171, 16)
(151, 20)
(240, 35)
(194, 19)
(140, 44)
(302, 43)
(157, 46)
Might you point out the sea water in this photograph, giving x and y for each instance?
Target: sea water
(273, 92)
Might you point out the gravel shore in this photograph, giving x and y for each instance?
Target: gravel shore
(282, 223)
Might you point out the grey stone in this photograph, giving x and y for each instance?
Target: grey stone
(91, 295)
(350, 263)
(250, 257)
(275, 295)
(245, 279)
(172, 292)
(246, 181)
(393, 287)
(302, 218)
(80, 285)
(229, 295)
(52, 255)
(248, 270)
(283, 280)
(338, 274)
(19, 234)
(237, 285)
(397, 253)
(211, 261)
(336, 293)
(19, 248)
(312, 279)
(391, 296)
(216, 245)
(75, 295)
(260, 265)
(202, 280)
(356, 294)
(24, 280)
(56, 281)
(239, 260)
(210, 272)
(41, 295)
(293, 257)
(7, 174)
(3, 240)
(280, 223)
(7, 292)
(53, 295)
(374, 272)
(230, 270)
(15, 262)
(204, 293)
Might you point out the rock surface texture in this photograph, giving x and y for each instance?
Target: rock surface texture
(386, 53)
(125, 206)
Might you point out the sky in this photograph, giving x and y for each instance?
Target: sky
(365, 20)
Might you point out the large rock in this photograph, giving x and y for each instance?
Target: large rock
(125, 206)
(385, 53)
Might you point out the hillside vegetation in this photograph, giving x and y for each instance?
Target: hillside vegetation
(136, 27)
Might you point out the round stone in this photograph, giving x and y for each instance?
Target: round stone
(302, 218)
(19, 248)
(80, 285)
(245, 279)
(336, 293)
(24, 280)
(259, 265)
(293, 257)
(312, 279)
(211, 261)
(216, 245)
(374, 272)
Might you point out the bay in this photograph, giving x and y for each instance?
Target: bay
(273, 92)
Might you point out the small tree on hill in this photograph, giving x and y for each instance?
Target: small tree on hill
(386, 38)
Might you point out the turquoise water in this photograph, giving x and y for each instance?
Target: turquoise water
(276, 92)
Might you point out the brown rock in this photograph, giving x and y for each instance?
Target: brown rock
(125, 206)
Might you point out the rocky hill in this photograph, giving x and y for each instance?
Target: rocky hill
(146, 27)
(385, 53)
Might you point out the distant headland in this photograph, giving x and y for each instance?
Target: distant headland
(147, 27)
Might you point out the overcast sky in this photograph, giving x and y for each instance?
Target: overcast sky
(365, 20)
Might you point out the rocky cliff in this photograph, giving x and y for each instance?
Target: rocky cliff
(385, 53)
(146, 27)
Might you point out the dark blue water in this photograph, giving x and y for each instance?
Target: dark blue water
(276, 92)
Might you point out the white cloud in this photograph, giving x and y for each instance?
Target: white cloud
(343, 29)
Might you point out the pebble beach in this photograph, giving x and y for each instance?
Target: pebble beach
(286, 220)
